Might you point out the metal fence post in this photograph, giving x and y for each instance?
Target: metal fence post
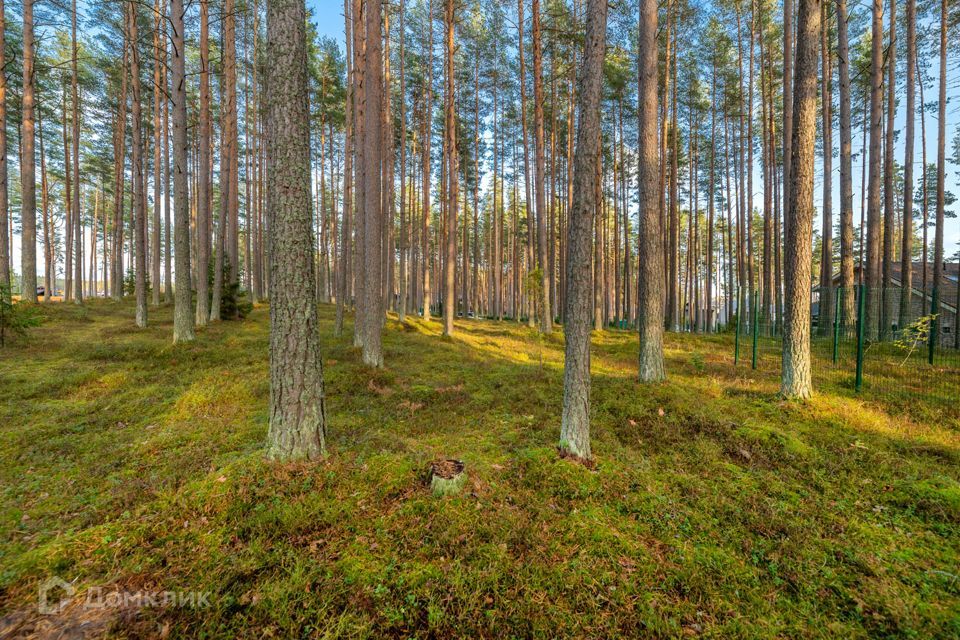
(836, 325)
(934, 310)
(860, 331)
(756, 329)
(736, 340)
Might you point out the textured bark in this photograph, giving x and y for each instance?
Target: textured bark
(651, 277)
(136, 155)
(67, 199)
(226, 256)
(546, 317)
(795, 372)
(4, 178)
(202, 240)
(157, 158)
(77, 234)
(906, 247)
(825, 320)
(425, 166)
(230, 138)
(182, 309)
(346, 246)
(846, 166)
(874, 296)
(788, 78)
(371, 312)
(450, 130)
(575, 422)
(889, 218)
(28, 158)
(48, 251)
(941, 170)
(526, 155)
(120, 152)
(168, 227)
(404, 244)
(297, 414)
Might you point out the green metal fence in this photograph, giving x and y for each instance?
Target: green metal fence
(859, 341)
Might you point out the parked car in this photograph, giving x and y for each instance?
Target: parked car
(41, 291)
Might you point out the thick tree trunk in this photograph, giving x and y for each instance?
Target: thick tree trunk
(575, 422)
(297, 414)
(795, 373)
(182, 309)
(370, 314)
(651, 276)
(28, 158)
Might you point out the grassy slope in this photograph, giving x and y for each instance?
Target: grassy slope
(715, 508)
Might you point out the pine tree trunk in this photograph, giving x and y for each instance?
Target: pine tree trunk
(168, 227)
(935, 307)
(651, 276)
(28, 177)
(906, 247)
(874, 294)
(203, 173)
(795, 374)
(4, 177)
(297, 413)
(77, 235)
(157, 158)
(346, 245)
(425, 170)
(183, 310)
(546, 317)
(889, 302)
(825, 316)
(120, 152)
(404, 243)
(452, 176)
(370, 315)
(139, 210)
(575, 421)
(846, 167)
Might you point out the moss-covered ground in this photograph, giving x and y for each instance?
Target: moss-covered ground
(715, 508)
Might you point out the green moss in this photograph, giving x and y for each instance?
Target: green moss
(714, 508)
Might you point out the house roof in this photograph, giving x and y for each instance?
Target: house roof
(948, 281)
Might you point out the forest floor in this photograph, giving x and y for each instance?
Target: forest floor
(131, 466)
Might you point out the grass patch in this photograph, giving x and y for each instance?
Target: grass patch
(713, 508)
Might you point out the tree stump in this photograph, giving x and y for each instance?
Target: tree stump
(447, 477)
